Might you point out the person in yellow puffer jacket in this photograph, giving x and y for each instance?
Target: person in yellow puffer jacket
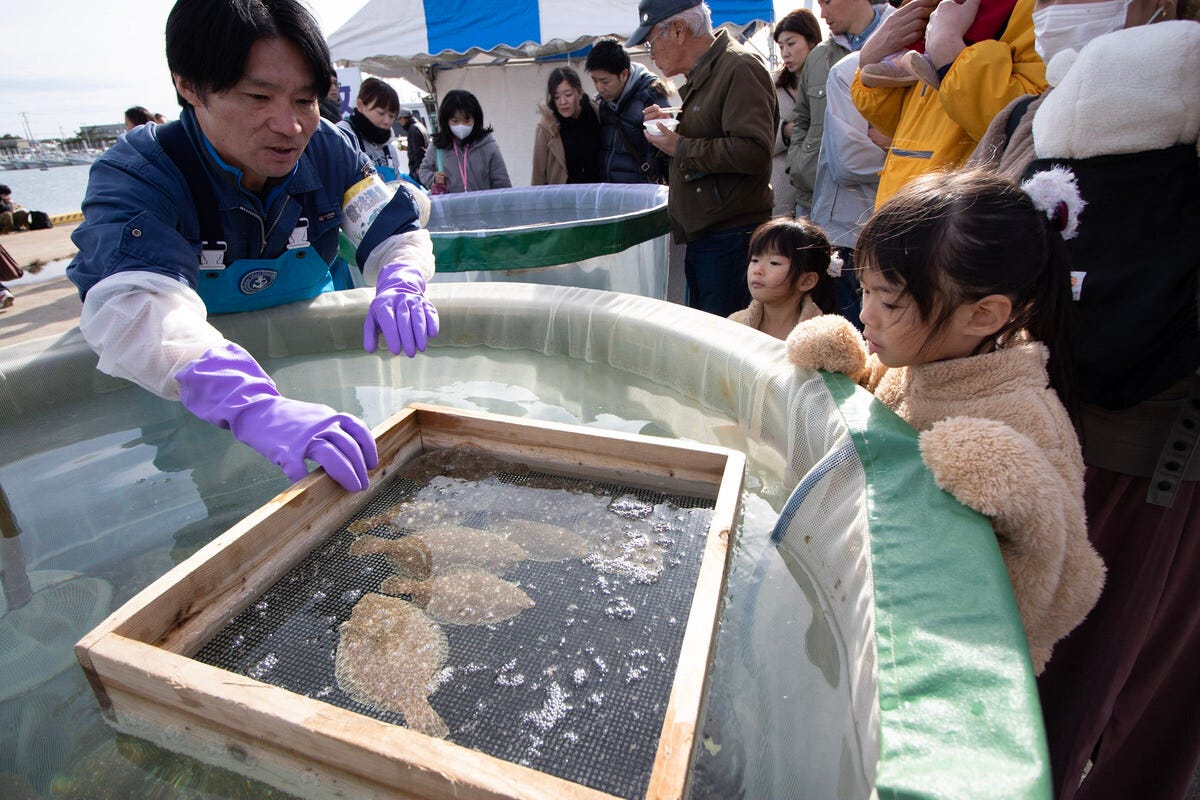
(981, 73)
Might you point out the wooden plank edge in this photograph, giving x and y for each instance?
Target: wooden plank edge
(641, 461)
(681, 724)
(339, 739)
(163, 611)
(433, 417)
(225, 748)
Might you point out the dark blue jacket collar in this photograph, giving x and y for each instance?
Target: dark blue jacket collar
(303, 177)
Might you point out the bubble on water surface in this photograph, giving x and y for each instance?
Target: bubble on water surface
(553, 710)
(631, 507)
(619, 608)
(268, 663)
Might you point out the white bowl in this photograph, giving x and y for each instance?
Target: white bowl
(652, 125)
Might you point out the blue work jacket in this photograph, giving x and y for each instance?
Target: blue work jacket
(139, 213)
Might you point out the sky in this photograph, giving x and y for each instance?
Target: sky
(72, 63)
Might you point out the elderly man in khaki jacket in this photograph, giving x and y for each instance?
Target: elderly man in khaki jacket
(721, 152)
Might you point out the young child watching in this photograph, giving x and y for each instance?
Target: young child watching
(966, 303)
(791, 272)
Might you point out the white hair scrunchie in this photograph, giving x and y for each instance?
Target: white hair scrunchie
(1055, 192)
(835, 265)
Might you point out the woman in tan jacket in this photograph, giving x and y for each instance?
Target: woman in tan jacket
(566, 142)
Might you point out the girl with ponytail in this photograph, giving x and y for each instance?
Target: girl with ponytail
(967, 336)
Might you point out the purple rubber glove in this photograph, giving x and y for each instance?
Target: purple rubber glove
(400, 312)
(228, 388)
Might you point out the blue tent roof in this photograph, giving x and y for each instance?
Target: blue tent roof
(395, 38)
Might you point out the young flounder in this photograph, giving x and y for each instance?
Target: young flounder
(387, 656)
(465, 596)
(410, 515)
(435, 550)
(541, 541)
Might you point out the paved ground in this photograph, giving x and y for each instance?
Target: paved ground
(40, 247)
(44, 308)
(47, 304)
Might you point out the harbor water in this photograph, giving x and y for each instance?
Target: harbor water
(57, 190)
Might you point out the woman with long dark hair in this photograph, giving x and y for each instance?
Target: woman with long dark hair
(465, 156)
(566, 142)
(796, 34)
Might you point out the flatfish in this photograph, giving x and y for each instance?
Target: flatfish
(411, 515)
(461, 461)
(541, 541)
(387, 655)
(464, 596)
(435, 550)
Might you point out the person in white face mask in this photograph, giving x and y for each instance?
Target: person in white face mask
(1119, 696)
(465, 156)
(1059, 26)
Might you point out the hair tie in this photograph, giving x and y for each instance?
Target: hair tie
(1055, 193)
(835, 265)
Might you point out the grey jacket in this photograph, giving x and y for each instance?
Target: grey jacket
(849, 163)
(485, 166)
(808, 116)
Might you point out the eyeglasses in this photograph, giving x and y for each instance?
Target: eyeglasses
(650, 43)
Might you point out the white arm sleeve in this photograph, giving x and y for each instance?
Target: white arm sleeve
(145, 328)
(414, 248)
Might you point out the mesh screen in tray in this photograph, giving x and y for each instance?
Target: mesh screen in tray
(575, 683)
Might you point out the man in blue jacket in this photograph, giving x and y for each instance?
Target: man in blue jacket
(237, 207)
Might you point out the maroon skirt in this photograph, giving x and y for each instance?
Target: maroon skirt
(1123, 689)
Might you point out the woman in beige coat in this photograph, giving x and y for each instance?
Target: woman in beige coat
(566, 142)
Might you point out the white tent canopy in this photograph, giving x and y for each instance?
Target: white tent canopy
(410, 38)
(499, 50)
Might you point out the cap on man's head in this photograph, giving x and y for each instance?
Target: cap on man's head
(652, 12)
(404, 112)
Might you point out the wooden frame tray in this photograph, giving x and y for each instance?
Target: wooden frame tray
(139, 662)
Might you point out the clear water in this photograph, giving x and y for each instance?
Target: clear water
(116, 490)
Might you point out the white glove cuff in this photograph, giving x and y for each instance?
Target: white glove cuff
(414, 248)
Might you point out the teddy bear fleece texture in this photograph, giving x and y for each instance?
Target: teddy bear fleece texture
(752, 314)
(996, 436)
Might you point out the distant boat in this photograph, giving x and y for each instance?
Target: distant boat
(46, 160)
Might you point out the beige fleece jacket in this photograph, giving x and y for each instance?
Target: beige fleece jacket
(996, 436)
(752, 314)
